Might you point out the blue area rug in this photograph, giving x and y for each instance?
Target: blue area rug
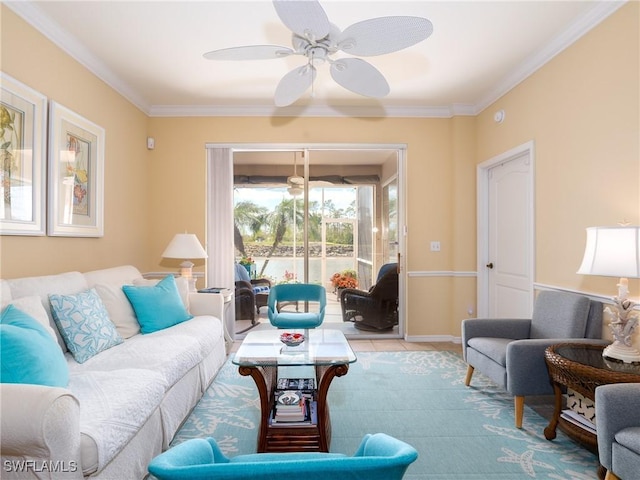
(419, 397)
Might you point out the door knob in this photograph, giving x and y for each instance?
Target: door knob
(490, 265)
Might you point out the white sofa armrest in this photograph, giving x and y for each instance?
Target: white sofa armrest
(206, 304)
(39, 432)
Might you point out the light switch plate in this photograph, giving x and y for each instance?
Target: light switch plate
(435, 246)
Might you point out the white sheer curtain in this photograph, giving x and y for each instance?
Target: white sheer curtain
(220, 272)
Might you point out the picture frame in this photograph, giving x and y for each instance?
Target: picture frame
(23, 158)
(76, 174)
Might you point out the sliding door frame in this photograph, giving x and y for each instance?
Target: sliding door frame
(214, 240)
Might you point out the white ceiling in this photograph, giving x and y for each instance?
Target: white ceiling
(151, 52)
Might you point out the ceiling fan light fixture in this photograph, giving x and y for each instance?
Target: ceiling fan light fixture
(317, 39)
(295, 191)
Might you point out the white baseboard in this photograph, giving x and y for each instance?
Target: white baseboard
(433, 338)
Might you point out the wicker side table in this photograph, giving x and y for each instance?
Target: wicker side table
(582, 368)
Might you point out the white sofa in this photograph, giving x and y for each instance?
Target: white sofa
(121, 407)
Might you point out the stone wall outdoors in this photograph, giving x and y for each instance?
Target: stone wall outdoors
(315, 250)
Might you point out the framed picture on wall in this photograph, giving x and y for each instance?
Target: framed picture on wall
(76, 174)
(23, 123)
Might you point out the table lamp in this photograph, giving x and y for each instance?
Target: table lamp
(615, 252)
(188, 247)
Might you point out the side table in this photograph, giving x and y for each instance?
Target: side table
(582, 368)
(227, 298)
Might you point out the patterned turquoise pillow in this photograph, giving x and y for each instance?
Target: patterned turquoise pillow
(157, 307)
(28, 353)
(84, 324)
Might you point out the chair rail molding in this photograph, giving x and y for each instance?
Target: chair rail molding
(606, 299)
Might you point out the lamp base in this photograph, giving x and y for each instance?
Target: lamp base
(186, 271)
(620, 351)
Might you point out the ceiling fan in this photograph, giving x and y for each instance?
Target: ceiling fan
(315, 38)
(295, 183)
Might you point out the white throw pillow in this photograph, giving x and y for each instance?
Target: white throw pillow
(33, 307)
(120, 311)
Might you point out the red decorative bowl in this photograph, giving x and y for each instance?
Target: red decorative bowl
(292, 339)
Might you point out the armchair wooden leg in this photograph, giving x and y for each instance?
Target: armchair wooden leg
(611, 476)
(467, 379)
(519, 406)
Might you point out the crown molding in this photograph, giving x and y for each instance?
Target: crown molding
(309, 111)
(600, 11)
(33, 15)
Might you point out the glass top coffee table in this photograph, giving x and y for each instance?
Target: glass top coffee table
(325, 354)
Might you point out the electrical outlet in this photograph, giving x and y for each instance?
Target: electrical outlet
(435, 246)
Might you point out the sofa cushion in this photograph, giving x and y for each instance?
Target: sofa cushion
(630, 438)
(83, 322)
(170, 352)
(115, 405)
(28, 352)
(122, 275)
(120, 310)
(493, 348)
(157, 307)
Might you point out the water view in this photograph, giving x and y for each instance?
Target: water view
(281, 269)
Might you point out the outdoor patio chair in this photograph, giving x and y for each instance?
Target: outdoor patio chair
(376, 309)
(250, 294)
(510, 351)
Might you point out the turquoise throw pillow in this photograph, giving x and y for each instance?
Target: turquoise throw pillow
(157, 307)
(28, 353)
(84, 324)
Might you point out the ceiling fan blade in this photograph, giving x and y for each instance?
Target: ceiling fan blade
(378, 36)
(360, 77)
(294, 84)
(306, 18)
(250, 52)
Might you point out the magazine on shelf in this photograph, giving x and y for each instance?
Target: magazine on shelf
(579, 420)
(296, 384)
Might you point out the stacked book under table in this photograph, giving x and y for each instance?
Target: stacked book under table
(295, 403)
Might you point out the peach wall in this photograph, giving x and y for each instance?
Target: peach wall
(582, 110)
(32, 59)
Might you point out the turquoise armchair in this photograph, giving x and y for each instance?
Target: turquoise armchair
(379, 457)
(296, 292)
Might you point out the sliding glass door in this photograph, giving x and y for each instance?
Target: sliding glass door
(305, 214)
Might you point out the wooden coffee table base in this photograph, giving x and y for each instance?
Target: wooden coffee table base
(312, 438)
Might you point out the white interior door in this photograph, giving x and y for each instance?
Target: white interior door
(506, 268)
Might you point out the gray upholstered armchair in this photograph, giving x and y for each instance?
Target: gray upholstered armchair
(618, 427)
(511, 351)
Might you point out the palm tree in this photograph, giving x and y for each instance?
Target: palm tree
(279, 221)
(247, 216)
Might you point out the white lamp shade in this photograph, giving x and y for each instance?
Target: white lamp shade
(612, 252)
(185, 246)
